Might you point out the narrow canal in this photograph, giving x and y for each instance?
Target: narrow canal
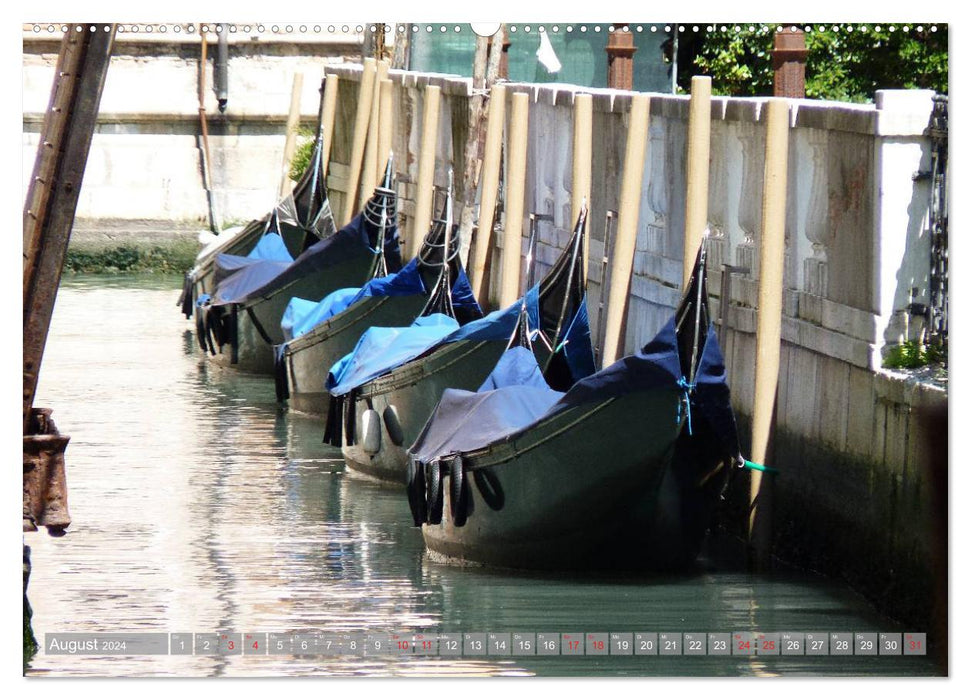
(200, 506)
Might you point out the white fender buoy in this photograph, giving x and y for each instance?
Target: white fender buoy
(371, 432)
(393, 425)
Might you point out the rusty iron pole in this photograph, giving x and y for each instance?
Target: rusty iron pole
(789, 63)
(620, 58)
(52, 194)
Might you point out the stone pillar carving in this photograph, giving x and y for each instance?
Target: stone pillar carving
(815, 277)
(719, 244)
(657, 185)
(750, 199)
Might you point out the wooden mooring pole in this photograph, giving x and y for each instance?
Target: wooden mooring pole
(768, 335)
(626, 238)
(489, 178)
(582, 165)
(364, 96)
(52, 194)
(385, 126)
(426, 170)
(371, 169)
(293, 125)
(328, 112)
(512, 238)
(699, 148)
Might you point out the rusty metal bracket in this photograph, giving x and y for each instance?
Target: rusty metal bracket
(45, 481)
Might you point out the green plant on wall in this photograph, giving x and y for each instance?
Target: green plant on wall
(844, 62)
(913, 354)
(303, 154)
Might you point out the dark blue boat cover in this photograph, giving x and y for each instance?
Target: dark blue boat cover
(515, 395)
(263, 277)
(465, 420)
(499, 324)
(379, 347)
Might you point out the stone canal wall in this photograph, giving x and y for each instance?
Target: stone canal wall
(855, 497)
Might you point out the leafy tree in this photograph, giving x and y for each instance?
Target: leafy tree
(845, 62)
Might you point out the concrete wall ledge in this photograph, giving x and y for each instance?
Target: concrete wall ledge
(916, 389)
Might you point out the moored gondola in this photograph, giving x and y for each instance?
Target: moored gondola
(393, 389)
(622, 470)
(322, 334)
(240, 322)
(298, 220)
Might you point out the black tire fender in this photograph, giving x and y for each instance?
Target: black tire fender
(435, 496)
(458, 491)
(416, 491)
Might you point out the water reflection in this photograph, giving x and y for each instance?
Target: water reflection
(199, 505)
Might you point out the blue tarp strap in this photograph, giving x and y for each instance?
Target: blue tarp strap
(686, 387)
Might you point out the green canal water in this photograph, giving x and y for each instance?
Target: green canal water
(199, 505)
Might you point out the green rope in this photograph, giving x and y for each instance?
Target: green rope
(759, 467)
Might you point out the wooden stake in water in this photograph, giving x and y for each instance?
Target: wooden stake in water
(626, 237)
(490, 190)
(327, 116)
(426, 170)
(371, 169)
(385, 124)
(512, 239)
(699, 148)
(293, 124)
(364, 96)
(582, 164)
(768, 336)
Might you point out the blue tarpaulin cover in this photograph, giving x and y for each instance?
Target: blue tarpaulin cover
(405, 344)
(270, 247)
(301, 317)
(515, 395)
(262, 277)
(470, 420)
(381, 346)
(497, 326)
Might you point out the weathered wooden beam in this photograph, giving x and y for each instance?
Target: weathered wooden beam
(52, 194)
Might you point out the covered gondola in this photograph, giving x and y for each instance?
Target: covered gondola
(299, 220)
(622, 470)
(434, 284)
(240, 323)
(393, 383)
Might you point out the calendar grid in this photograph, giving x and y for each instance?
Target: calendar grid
(454, 644)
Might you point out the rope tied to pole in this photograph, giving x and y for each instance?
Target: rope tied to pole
(685, 401)
(755, 466)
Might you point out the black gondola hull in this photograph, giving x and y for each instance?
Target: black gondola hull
(610, 485)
